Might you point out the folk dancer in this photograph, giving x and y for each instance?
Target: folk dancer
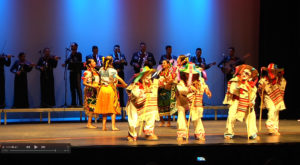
(241, 95)
(166, 91)
(91, 80)
(142, 105)
(107, 98)
(271, 88)
(190, 95)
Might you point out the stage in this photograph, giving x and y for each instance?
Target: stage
(166, 149)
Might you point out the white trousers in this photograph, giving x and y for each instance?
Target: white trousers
(250, 120)
(272, 122)
(182, 125)
(134, 122)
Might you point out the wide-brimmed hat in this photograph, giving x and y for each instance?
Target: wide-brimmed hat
(143, 73)
(271, 68)
(191, 68)
(254, 73)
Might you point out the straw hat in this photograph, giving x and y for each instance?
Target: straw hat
(239, 69)
(144, 72)
(272, 69)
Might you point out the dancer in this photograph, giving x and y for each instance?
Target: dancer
(107, 99)
(271, 88)
(142, 104)
(166, 77)
(91, 81)
(241, 94)
(190, 95)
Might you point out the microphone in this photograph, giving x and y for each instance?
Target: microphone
(68, 49)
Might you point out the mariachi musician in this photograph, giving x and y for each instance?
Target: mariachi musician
(4, 60)
(229, 62)
(20, 69)
(45, 65)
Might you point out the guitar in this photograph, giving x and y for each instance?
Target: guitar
(229, 66)
(209, 65)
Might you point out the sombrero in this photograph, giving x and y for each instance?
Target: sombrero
(272, 67)
(143, 73)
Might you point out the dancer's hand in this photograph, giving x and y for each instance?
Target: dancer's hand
(208, 93)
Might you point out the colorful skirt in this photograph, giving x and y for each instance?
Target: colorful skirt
(107, 101)
(90, 98)
(164, 97)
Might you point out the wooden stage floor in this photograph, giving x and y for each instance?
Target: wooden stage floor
(79, 136)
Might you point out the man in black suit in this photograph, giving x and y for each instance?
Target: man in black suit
(4, 60)
(142, 58)
(74, 62)
(97, 58)
(119, 61)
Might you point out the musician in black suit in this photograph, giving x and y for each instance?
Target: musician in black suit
(75, 66)
(45, 65)
(229, 62)
(97, 58)
(5, 60)
(168, 56)
(142, 58)
(200, 61)
(119, 61)
(20, 68)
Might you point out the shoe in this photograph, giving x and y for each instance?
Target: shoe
(151, 137)
(104, 129)
(115, 129)
(168, 124)
(228, 136)
(91, 126)
(180, 139)
(161, 124)
(200, 138)
(254, 137)
(274, 133)
(131, 139)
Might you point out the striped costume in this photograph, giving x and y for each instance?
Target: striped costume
(239, 96)
(274, 101)
(185, 99)
(142, 106)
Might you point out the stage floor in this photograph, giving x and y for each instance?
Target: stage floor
(79, 136)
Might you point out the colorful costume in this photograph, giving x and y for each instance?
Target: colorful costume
(90, 94)
(107, 99)
(241, 95)
(142, 104)
(166, 93)
(189, 100)
(273, 95)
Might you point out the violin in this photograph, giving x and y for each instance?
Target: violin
(5, 55)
